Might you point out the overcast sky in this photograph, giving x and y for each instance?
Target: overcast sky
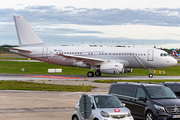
(106, 22)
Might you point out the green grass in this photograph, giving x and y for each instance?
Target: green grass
(141, 81)
(171, 71)
(10, 58)
(20, 85)
(42, 68)
(37, 68)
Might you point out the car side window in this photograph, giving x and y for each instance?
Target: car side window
(117, 89)
(91, 100)
(129, 91)
(140, 93)
(176, 90)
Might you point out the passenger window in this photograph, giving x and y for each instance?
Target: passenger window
(117, 89)
(129, 91)
(140, 93)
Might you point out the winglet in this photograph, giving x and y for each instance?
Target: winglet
(25, 33)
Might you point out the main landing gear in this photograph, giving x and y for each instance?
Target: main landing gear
(150, 73)
(91, 74)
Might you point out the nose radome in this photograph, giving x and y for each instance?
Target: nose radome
(173, 62)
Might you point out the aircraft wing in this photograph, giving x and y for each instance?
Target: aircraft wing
(21, 50)
(91, 61)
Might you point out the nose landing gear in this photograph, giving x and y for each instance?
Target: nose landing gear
(150, 74)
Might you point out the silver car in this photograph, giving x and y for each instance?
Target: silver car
(104, 107)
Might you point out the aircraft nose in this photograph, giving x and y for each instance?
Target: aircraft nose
(173, 62)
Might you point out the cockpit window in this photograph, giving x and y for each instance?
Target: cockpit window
(164, 54)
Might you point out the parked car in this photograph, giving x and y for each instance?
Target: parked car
(104, 107)
(174, 86)
(147, 101)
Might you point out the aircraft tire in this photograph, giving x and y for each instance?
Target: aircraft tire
(150, 75)
(98, 73)
(90, 74)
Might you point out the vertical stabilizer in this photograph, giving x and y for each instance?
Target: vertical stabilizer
(26, 35)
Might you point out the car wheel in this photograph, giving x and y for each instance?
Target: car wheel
(96, 119)
(149, 116)
(75, 118)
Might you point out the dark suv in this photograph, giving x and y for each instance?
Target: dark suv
(174, 86)
(148, 101)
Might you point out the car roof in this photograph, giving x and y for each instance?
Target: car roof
(136, 84)
(94, 95)
(170, 83)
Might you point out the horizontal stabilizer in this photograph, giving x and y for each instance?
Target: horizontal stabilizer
(21, 50)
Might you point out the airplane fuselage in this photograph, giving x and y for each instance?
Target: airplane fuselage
(130, 57)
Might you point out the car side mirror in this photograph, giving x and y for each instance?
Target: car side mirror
(92, 106)
(142, 99)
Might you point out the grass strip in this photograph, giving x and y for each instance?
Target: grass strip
(21, 85)
(136, 81)
(15, 67)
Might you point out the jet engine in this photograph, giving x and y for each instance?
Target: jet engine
(112, 68)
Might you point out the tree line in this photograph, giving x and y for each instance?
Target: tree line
(4, 48)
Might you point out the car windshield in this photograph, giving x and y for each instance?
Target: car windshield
(107, 102)
(160, 92)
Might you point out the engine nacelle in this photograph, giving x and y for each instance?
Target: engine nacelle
(127, 70)
(112, 68)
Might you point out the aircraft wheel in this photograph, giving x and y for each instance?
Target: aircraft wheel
(90, 74)
(98, 73)
(150, 75)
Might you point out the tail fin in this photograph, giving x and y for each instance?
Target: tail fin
(25, 33)
(174, 52)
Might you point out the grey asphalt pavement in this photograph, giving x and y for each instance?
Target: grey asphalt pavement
(38, 105)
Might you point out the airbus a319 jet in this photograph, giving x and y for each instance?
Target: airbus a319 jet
(109, 60)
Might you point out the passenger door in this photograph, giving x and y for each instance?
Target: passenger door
(93, 108)
(140, 105)
(150, 56)
(129, 97)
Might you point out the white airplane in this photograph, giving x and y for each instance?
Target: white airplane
(109, 60)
